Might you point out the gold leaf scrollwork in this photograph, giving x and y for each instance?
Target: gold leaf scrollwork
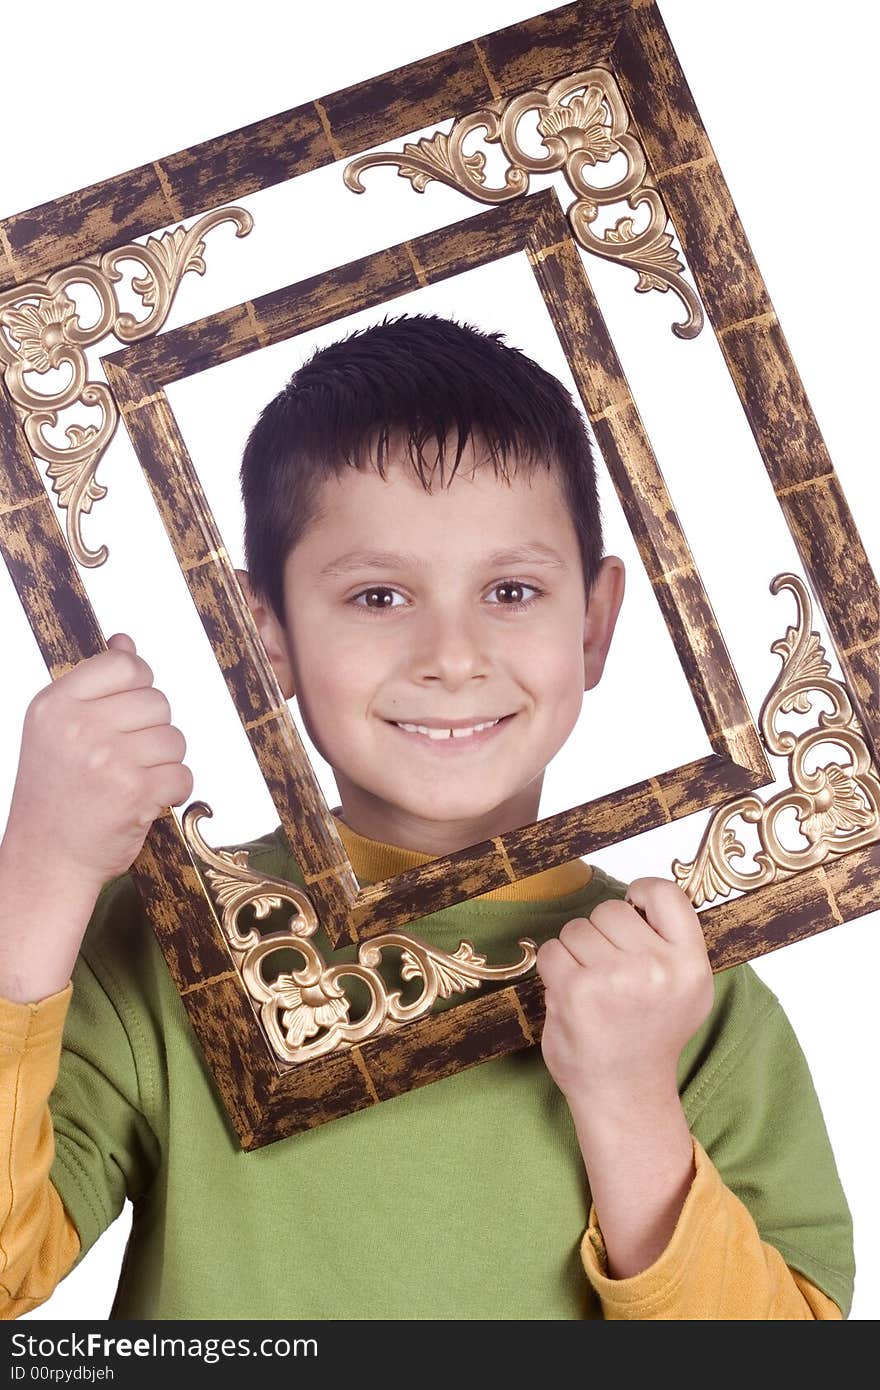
(582, 122)
(311, 1003)
(836, 805)
(42, 330)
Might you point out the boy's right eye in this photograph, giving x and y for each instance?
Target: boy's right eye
(381, 591)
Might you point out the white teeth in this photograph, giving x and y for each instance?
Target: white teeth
(447, 733)
(463, 733)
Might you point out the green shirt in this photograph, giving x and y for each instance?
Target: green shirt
(466, 1198)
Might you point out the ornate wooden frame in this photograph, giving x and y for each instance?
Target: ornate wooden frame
(266, 1097)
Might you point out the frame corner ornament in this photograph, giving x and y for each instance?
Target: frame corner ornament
(579, 130)
(309, 1003)
(42, 336)
(837, 807)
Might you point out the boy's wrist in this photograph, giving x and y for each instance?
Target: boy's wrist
(638, 1152)
(625, 1105)
(44, 910)
(628, 1124)
(30, 860)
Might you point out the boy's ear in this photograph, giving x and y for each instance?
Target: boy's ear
(601, 620)
(272, 634)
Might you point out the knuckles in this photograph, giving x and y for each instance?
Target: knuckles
(575, 930)
(98, 757)
(546, 954)
(41, 710)
(662, 894)
(612, 910)
(162, 703)
(133, 669)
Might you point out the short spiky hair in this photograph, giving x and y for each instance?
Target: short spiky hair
(427, 378)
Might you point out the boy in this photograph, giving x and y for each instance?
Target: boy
(669, 1112)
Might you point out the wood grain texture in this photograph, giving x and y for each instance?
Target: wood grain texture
(792, 909)
(417, 1054)
(67, 632)
(643, 495)
(32, 544)
(298, 308)
(281, 147)
(243, 1069)
(739, 308)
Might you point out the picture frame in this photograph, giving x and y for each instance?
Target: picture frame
(630, 41)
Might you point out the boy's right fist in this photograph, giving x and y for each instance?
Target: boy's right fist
(100, 760)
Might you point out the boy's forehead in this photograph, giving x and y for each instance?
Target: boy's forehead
(475, 510)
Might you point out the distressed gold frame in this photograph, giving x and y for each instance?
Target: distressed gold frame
(138, 376)
(268, 1098)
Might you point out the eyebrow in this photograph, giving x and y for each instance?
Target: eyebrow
(533, 552)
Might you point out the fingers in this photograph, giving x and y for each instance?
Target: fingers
(656, 910)
(556, 966)
(585, 941)
(611, 927)
(665, 908)
(579, 944)
(119, 668)
(170, 785)
(154, 747)
(130, 710)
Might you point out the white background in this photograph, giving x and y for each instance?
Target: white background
(791, 124)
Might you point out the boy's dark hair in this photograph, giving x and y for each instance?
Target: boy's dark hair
(428, 377)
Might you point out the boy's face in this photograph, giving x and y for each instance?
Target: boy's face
(474, 611)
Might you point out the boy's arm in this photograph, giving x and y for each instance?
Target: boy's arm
(39, 1243)
(99, 760)
(716, 1266)
(77, 1104)
(629, 996)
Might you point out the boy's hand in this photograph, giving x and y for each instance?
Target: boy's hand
(624, 993)
(100, 760)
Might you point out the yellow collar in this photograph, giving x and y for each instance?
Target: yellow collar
(372, 860)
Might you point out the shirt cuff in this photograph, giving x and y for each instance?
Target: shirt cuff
(646, 1294)
(24, 1027)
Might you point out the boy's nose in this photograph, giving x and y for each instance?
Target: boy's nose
(452, 646)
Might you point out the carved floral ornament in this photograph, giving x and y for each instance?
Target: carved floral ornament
(297, 1005)
(582, 123)
(42, 331)
(835, 803)
(306, 1013)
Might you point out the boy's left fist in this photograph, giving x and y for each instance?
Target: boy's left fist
(624, 992)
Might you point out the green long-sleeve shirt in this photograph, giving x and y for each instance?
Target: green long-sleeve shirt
(465, 1198)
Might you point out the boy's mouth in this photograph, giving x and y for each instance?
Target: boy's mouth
(456, 735)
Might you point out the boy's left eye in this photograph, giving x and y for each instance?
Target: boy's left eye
(518, 587)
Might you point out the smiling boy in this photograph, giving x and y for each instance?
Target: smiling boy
(669, 1113)
(455, 634)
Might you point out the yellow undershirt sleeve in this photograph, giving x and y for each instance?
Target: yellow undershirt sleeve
(715, 1267)
(39, 1243)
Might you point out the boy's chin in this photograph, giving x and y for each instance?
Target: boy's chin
(456, 814)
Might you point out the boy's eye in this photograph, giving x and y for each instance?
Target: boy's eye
(516, 587)
(384, 595)
(379, 597)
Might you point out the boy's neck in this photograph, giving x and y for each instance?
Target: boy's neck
(374, 860)
(391, 825)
